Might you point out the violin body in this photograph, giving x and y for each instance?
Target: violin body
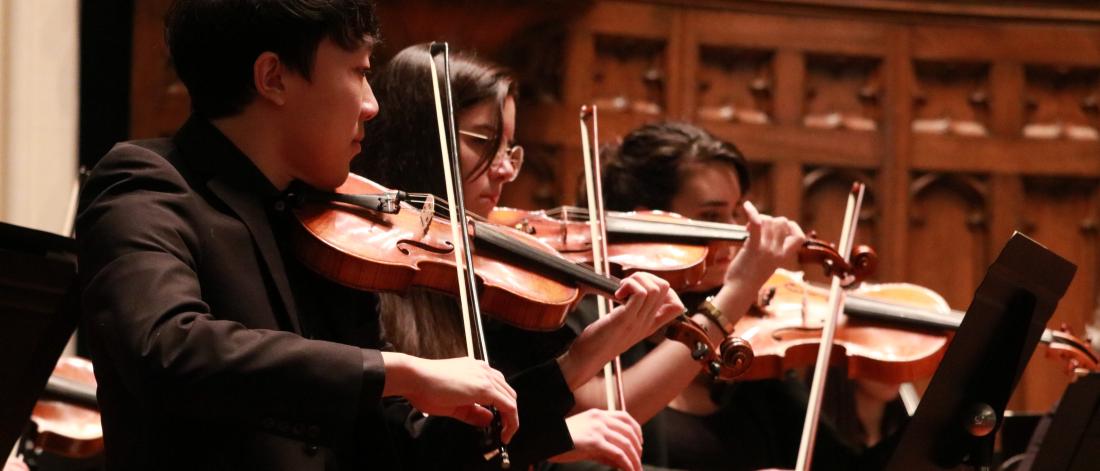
(64, 428)
(786, 333)
(375, 251)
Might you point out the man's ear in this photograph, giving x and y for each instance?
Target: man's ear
(268, 76)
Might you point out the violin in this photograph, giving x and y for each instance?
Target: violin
(892, 332)
(676, 249)
(384, 243)
(66, 420)
(666, 244)
(366, 237)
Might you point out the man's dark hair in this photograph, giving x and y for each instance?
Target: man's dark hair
(402, 142)
(214, 43)
(647, 168)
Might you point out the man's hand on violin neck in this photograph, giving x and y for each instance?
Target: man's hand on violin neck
(612, 438)
(461, 388)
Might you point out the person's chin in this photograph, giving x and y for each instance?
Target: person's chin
(480, 206)
(331, 181)
(489, 202)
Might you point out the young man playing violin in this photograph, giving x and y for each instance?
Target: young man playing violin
(214, 348)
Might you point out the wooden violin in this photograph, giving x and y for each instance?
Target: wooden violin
(66, 419)
(387, 244)
(892, 332)
(665, 244)
(367, 237)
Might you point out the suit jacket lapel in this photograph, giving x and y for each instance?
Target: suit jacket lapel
(249, 208)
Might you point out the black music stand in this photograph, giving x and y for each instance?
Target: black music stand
(1073, 440)
(38, 313)
(964, 405)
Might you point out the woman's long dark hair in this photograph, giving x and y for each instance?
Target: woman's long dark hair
(647, 168)
(401, 147)
(401, 151)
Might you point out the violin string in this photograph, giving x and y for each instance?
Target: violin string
(689, 223)
(489, 234)
(442, 207)
(585, 274)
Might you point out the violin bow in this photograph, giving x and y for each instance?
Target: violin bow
(464, 259)
(824, 352)
(597, 225)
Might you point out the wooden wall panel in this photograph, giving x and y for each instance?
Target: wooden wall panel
(947, 238)
(1062, 214)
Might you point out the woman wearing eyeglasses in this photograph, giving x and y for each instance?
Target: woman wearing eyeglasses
(404, 153)
(544, 368)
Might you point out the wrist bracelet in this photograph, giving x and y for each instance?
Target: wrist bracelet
(708, 309)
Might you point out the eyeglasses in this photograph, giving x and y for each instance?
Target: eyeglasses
(512, 154)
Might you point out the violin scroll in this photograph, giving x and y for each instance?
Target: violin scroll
(863, 262)
(737, 354)
(724, 362)
(1076, 354)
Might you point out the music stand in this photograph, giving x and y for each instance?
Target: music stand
(964, 405)
(38, 313)
(1073, 440)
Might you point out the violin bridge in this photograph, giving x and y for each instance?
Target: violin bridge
(427, 210)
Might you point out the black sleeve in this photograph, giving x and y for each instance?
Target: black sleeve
(143, 302)
(543, 399)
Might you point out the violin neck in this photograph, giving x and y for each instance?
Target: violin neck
(629, 224)
(618, 224)
(914, 316)
(67, 390)
(490, 236)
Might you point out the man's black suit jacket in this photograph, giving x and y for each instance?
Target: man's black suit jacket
(197, 334)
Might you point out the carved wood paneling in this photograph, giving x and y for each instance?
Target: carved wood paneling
(948, 244)
(1063, 214)
(735, 86)
(843, 92)
(951, 98)
(1062, 103)
(629, 76)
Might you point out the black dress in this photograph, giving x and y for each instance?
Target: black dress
(758, 425)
